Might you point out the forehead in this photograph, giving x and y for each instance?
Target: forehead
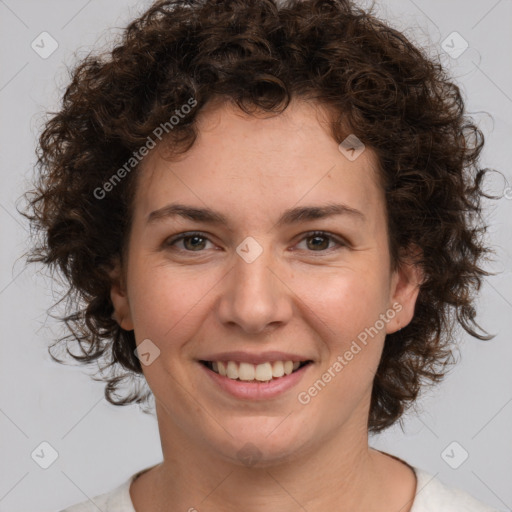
(257, 163)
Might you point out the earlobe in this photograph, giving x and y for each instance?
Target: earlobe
(119, 298)
(405, 286)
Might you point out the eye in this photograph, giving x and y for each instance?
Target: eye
(320, 241)
(192, 242)
(196, 241)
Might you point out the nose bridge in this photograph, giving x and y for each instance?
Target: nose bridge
(253, 296)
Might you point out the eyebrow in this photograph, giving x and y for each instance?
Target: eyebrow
(289, 217)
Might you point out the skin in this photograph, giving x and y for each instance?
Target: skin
(297, 297)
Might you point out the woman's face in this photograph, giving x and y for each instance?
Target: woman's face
(259, 287)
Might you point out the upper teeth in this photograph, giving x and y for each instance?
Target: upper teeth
(248, 371)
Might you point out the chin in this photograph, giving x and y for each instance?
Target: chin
(261, 444)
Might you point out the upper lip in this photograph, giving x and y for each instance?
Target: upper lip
(254, 358)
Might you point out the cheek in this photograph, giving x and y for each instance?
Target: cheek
(346, 309)
(347, 306)
(171, 302)
(165, 301)
(347, 301)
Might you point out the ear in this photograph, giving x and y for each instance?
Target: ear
(405, 286)
(119, 297)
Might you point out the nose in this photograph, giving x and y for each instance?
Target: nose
(255, 296)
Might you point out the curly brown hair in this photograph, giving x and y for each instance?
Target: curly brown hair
(259, 54)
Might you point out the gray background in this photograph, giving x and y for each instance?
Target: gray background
(100, 445)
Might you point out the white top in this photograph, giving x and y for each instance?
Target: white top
(431, 496)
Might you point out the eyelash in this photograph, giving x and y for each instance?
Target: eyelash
(311, 234)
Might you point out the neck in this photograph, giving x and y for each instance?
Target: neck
(341, 473)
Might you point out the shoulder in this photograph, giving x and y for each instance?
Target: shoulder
(432, 495)
(116, 500)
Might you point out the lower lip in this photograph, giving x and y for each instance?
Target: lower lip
(257, 390)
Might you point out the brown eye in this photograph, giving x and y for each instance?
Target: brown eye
(192, 242)
(319, 241)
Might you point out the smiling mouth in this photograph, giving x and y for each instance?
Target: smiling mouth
(248, 372)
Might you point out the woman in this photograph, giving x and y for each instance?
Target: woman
(269, 211)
